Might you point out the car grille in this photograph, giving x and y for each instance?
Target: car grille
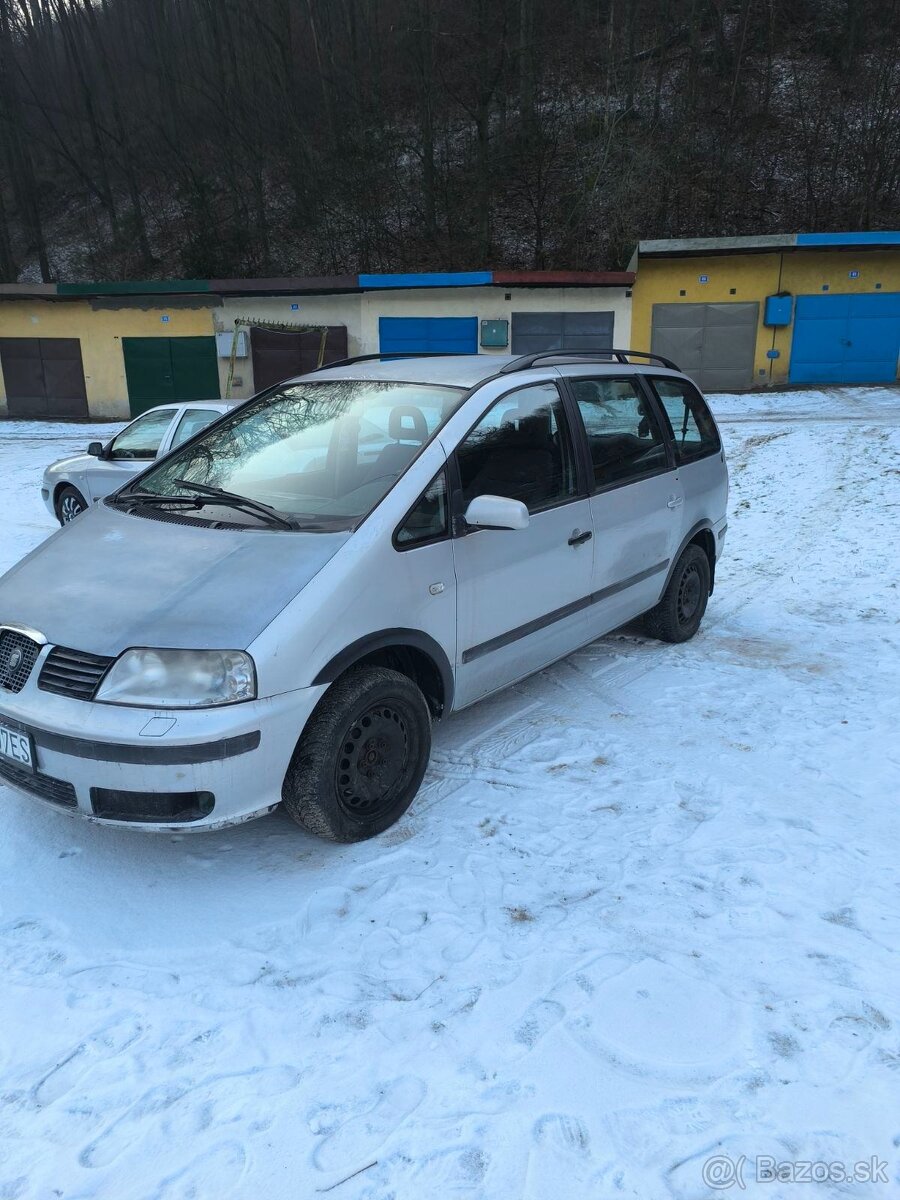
(18, 654)
(73, 672)
(57, 791)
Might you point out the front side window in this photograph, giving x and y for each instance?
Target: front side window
(623, 433)
(143, 437)
(320, 454)
(521, 449)
(692, 424)
(428, 520)
(192, 421)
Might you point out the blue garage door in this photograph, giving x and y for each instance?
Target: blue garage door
(846, 339)
(440, 335)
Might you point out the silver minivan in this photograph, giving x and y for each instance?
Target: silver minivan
(278, 610)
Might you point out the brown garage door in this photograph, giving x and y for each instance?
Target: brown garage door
(44, 377)
(278, 356)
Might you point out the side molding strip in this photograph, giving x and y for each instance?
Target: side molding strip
(559, 614)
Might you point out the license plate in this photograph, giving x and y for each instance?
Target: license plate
(16, 747)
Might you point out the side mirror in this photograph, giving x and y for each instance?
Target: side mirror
(95, 449)
(496, 512)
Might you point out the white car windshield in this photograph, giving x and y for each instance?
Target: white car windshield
(320, 454)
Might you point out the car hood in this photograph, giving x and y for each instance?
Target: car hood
(109, 580)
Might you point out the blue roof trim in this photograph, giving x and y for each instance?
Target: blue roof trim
(887, 237)
(428, 279)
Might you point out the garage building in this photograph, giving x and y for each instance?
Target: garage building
(112, 350)
(806, 308)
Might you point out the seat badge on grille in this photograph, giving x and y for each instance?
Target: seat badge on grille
(14, 659)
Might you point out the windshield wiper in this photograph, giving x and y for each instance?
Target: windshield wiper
(155, 498)
(233, 500)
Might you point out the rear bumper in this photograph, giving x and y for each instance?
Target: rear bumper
(156, 769)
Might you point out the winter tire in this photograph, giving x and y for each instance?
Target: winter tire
(69, 503)
(678, 615)
(361, 758)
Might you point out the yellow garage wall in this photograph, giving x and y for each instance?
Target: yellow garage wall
(100, 333)
(660, 280)
(801, 272)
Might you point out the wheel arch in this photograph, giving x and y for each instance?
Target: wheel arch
(60, 486)
(702, 535)
(409, 651)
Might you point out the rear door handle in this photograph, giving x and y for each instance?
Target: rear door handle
(674, 501)
(580, 536)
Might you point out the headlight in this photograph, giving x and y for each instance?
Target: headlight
(179, 678)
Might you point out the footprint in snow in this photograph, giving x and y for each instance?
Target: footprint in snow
(105, 1043)
(538, 1019)
(196, 1106)
(216, 1172)
(358, 1140)
(560, 1158)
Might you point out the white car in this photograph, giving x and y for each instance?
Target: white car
(277, 611)
(73, 484)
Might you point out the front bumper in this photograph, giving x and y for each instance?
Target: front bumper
(157, 769)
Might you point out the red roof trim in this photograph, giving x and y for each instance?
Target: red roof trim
(563, 278)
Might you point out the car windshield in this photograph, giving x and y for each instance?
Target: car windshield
(321, 454)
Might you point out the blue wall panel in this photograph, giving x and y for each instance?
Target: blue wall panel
(442, 335)
(846, 339)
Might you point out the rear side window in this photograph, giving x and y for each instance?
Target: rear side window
(624, 436)
(193, 420)
(691, 421)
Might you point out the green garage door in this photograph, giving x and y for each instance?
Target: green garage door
(162, 370)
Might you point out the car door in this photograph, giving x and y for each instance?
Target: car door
(698, 450)
(636, 496)
(521, 594)
(129, 452)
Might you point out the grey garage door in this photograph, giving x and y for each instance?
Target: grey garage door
(713, 343)
(535, 331)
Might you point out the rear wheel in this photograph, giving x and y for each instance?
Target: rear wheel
(69, 503)
(360, 759)
(678, 615)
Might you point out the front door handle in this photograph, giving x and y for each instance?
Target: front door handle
(674, 501)
(580, 536)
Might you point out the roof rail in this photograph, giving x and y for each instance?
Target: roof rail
(358, 358)
(573, 356)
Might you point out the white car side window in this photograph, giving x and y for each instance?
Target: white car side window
(142, 438)
(192, 421)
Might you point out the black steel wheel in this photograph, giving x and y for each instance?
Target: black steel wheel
(69, 504)
(360, 759)
(677, 616)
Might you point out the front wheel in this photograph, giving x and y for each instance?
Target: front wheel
(69, 503)
(678, 615)
(360, 759)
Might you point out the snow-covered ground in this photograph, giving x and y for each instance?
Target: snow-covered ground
(644, 911)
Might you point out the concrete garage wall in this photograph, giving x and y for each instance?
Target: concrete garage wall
(100, 332)
(360, 312)
(343, 309)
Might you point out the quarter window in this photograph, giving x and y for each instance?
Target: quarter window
(142, 438)
(193, 420)
(520, 449)
(692, 424)
(428, 520)
(623, 433)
